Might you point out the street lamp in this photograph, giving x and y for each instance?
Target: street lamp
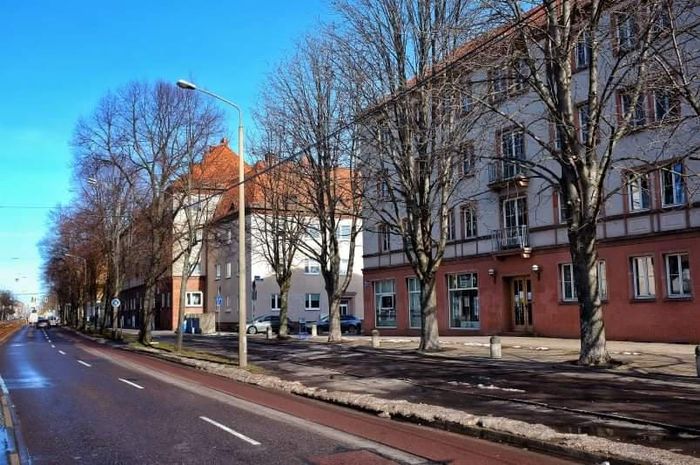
(78, 257)
(242, 281)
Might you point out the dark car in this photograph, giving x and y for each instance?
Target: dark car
(42, 323)
(348, 324)
(261, 323)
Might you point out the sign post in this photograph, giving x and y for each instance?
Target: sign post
(219, 302)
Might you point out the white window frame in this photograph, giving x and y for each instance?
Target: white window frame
(583, 50)
(664, 100)
(676, 173)
(638, 192)
(643, 277)
(680, 273)
(458, 283)
(625, 30)
(414, 292)
(275, 302)
(470, 226)
(309, 301)
(638, 116)
(191, 301)
(451, 225)
(217, 271)
(568, 287)
(562, 209)
(312, 267)
(381, 296)
(343, 266)
(228, 270)
(384, 238)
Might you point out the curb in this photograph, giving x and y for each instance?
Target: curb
(12, 450)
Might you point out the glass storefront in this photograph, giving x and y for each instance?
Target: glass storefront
(463, 295)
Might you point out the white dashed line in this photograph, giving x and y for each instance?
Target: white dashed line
(230, 431)
(130, 383)
(84, 363)
(61, 352)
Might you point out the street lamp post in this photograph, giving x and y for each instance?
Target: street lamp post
(242, 281)
(78, 257)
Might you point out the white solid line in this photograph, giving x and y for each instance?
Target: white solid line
(84, 363)
(61, 352)
(230, 431)
(130, 383)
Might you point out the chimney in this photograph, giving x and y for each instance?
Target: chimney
(224, 141)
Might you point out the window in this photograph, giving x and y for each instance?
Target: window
(197, 268)
(312, 302)
(583, 50)
(384, 299)
(275, 302)
(643, 277)
(558, 137)
(343, 266)
(229, 236)
(469, 221)
(678, 275)
(467, 159)
(167, 300)
(512, 148)
(499, 83)
(451, 228)
(344, 231)
(666, 105)
(193, 299)
(564, 209)
(228, 269)
(384, 238)
(521, 73)
(217, 271)
(514, 220)
(228, 301)
(568, 285)
(467, 99)
(414, 297)
(673, 185)
(637, 115)
(584, 122)
(311, 267)
(626, 30)
(463, 294)
(638, 191)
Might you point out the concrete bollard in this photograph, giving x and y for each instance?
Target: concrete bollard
(495, 347)
(269, 332)
(375, 339)
(697, 359)
(314, 330)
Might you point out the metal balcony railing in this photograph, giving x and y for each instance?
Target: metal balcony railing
(504, 170)
(510, 238)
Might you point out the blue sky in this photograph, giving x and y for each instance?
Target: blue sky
(58, 58)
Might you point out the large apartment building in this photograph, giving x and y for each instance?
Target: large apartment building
(507, 266)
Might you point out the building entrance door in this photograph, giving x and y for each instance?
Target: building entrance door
(521, 303)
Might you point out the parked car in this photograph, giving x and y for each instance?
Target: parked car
(53, 320)
(348, 324)
(42, 323)
(261, 323)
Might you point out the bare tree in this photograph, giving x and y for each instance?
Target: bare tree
(314, 104)
(542, 46)
(415, 124)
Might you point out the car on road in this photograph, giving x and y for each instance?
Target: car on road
(348, 324)
(261, 323)
(53, 320)
(42, 323)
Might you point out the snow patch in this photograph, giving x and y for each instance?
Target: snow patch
(476, 344)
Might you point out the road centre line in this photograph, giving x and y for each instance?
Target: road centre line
(130, 383)
(84, 363)
(230, 431)
(61, 352)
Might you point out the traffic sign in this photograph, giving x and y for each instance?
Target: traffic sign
(116, 302)
(219, 300)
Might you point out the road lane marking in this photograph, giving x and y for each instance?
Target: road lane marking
(130, 383)
(84, 363)
(61, 352)
(230, 431)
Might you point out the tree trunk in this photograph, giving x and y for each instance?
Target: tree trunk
(183, 296)
(429, 336)
(334, 331)
(284, 285)
(147, 316)
(584, 255)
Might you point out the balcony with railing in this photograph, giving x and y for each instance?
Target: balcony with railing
(504, 172)
(511, 238)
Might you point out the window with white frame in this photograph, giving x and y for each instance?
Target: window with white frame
(469, 221)
(217, 271)
(312, 302)
(451, 227)
(499, 82)
(194, 299)
(344, 262)
(228, 301)
(666, 105)
(467, 159)
(275, 302)
(583, 50)
(678, 282)
(414, 296)
(673, 185)
(521, 73)
(626, 31)
(643, 277)
(564, 208)
(463, 295)
(344, 231)
(638, 194)
(635, 110)
(513, 144)
(385, 306)
(384, 237)
(228, 269)
(568, 285)
(311, 267)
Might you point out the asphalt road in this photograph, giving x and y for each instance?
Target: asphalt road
(78, 402)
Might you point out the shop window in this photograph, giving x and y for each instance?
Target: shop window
(385, 307)
(414, 298)
(678, 275)
(463, 293)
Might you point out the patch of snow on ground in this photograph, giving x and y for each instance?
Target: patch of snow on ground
(541, 348)
(476, 344)
(631, 353)
(397, 340)
(516, 347)
(492, 387)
